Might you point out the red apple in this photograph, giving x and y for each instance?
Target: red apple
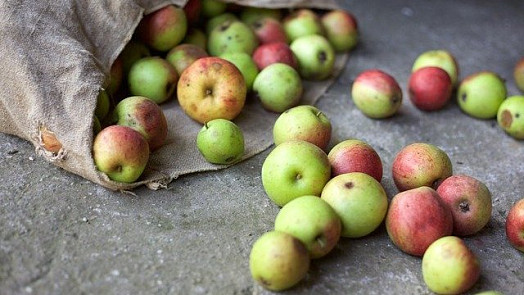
(515, 225)
(269, 30)
(420, 164)
(416, 218)
(430, 88)
(164, 28)
(353, 155)
(518, 74)
(271, 53)
(341, 29)
(469, 201)
(192, 10)
(211, 88)
(183, 55)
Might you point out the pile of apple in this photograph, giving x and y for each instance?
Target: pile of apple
(434, 77)
(213, 55)
(328, 196)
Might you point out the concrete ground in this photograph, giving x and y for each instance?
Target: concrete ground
(61, 234)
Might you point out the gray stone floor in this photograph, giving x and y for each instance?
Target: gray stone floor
(61, 234)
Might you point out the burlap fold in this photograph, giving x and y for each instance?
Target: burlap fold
(55, 56)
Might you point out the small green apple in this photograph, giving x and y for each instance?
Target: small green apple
(132, 52)
(164, 28)
(221, 141)
(216, 21)
(278, 261)
(359, 200)
(315, 56)
(154, 78)
(302, 22)
(211, 8)
(103, 104)
(245, 64)
(231, 36)
(293, 169)
(449, 266)
(438, 58)
(341, 29)
(279, 87)
(97, 127)
(183, 55)
(250, 14)
(196, 37)
(311, 220)
(480, 95)
(304, 122)
(510, 116)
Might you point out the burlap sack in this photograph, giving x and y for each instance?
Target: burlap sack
(55, 56)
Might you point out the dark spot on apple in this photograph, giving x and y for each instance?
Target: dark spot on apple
(209, 91)
(506, 119)
(224, 26)
(464, 207)
(118, 168)
(349, 185)
(230, 159)
(322, 56)
(298, 176)
(263, 281)
(187, 85)
(517, 115)
(464, 96)
(395, 99)
(228, 37)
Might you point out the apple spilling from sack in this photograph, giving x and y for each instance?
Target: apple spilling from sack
(211, 56)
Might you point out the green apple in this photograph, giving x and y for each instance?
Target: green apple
(183, 55)
(249, 14)
(279, 87)
(311, 220)
(196, 37)
(103, 104)
(304, 122)
(278, 261)
(132, 52)
(218, 20)
(510, 116)
(231, 36)
(245, 64)
(341, 29)
(480, 95)
(145, 116)
(121, 153)
(154, 78)
(449, 266)
(116, 75)
(293, 169)
(438, 58)
(359, 200)
(164, 28)
(518, 74)
(315, 56)
(211, 8)
(221, 141)
(97, 127)
(376, 94)
(302, 22)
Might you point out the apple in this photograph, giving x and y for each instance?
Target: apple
(216, 21)
(416, 218)
(97, 127)
(145, 116)
(510, 116)
(302, 22)
(449, 266)
(315, 56)
(251, 14)
(515, 225)
(279, 87)
(211, 88)
(116, 75)
(430, 88)
(132, 52)
(304, 122)
(470, 202)
(196, 37)
(211, 8)
(438, 58)
(103, 104)
(269, 30)
(231, 36)
(278, 261)
(518, 74)
(183, 55)
(311, 220)
(152, 77)
(192, 11)
(376, 94)
(353, 155)
(341, 29)
(480, 94)
(164, 28)
(420, 164)
(121, 153)
(294, 169)
(278, 52)
(359, 200)
(221, 141)
(245, 64)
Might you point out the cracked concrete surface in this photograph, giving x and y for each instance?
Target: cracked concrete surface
(61, 234)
